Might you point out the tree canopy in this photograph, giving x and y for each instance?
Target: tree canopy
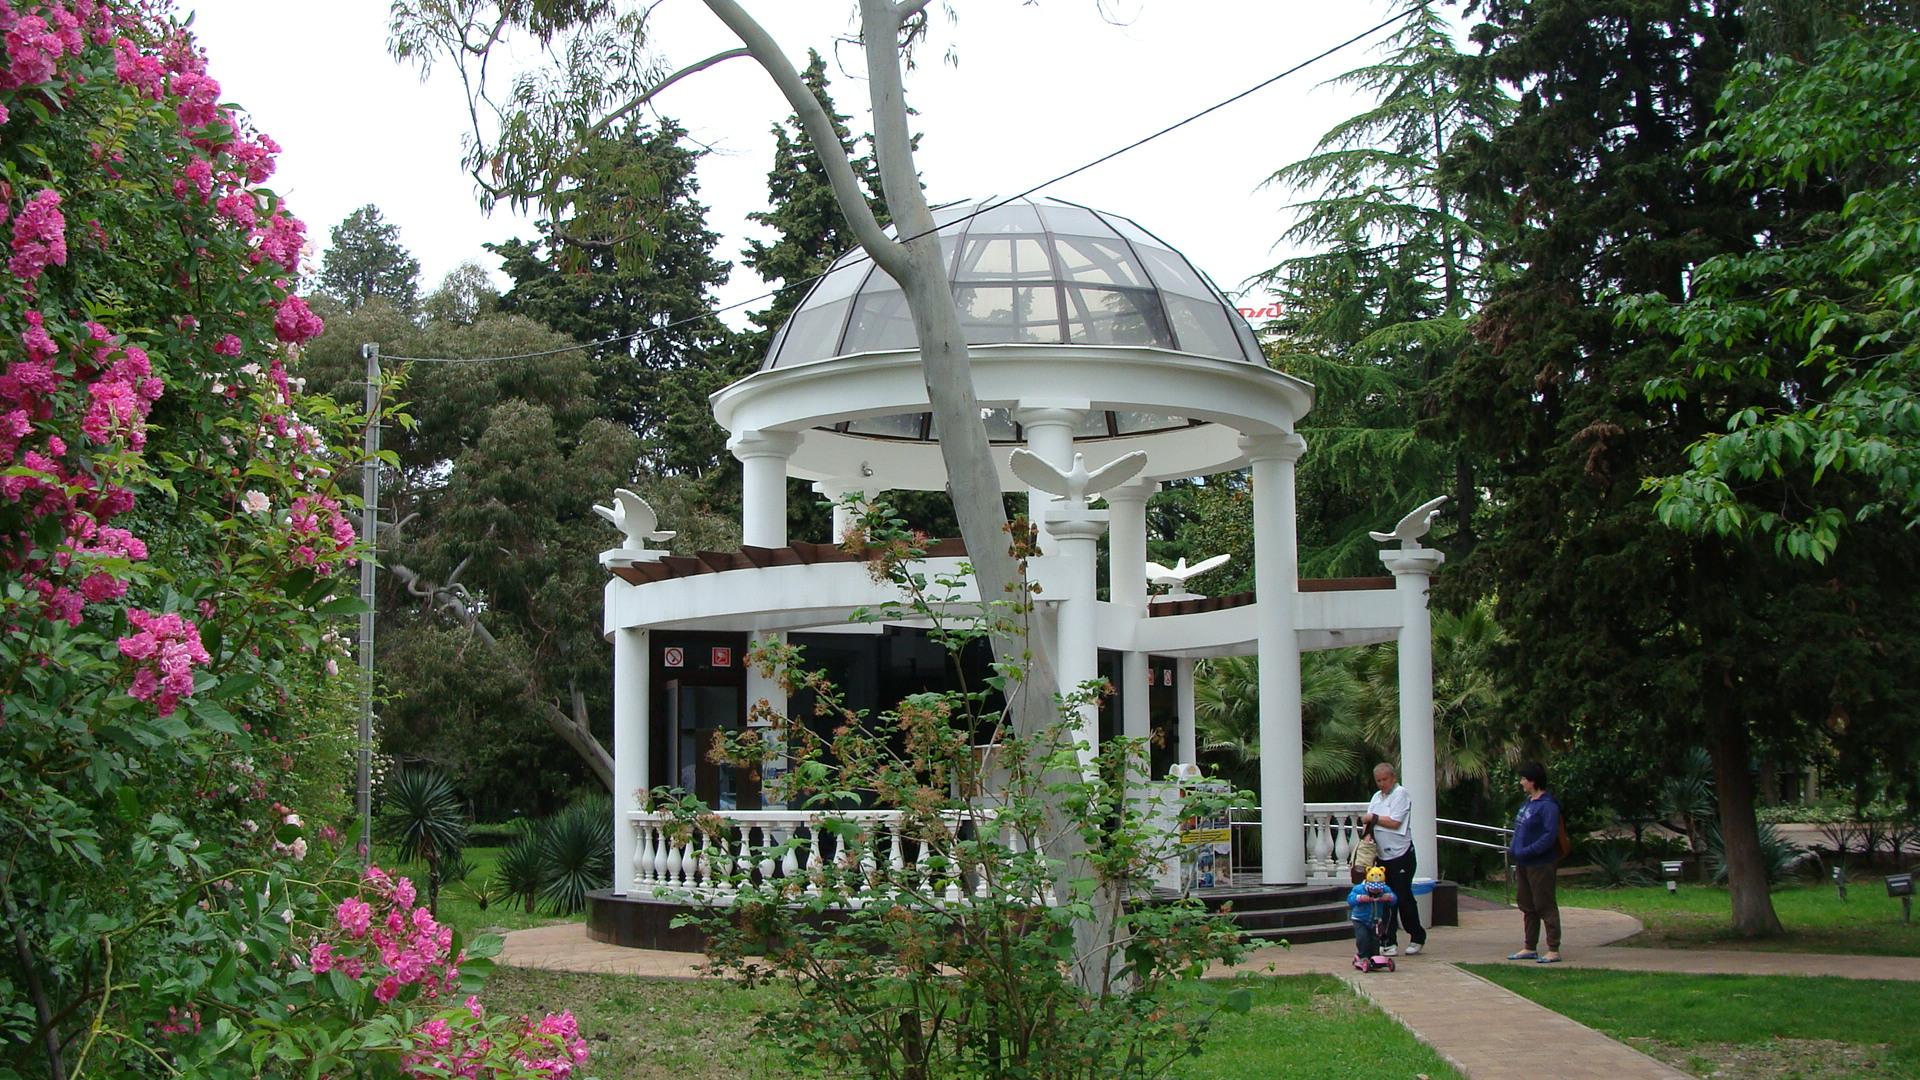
(364, 259)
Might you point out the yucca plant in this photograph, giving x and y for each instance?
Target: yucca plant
(517, 872)
(423, 819)
(576, 853)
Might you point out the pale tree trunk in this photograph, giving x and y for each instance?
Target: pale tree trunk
(973, 481)
(1752, 901)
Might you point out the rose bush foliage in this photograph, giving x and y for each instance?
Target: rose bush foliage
(172, 531)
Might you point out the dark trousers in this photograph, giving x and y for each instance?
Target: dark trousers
(1407, 910)
(1365, 942)
(1535, 892)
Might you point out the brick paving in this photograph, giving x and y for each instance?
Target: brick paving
(1485, 1031)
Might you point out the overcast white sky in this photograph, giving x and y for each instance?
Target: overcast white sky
(1037, 90)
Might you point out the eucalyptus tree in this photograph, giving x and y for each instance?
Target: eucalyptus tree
(602, 71)
(1378, 305)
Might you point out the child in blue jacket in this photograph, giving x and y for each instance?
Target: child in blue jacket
(1368, 904)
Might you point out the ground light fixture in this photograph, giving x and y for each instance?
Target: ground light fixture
(1901, 885)
(1671, 869)
(1840, 882)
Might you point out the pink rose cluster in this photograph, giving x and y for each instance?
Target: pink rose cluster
(382, 936)
(449, 1045)
(36, 40)
(321, 533)
(39, 237)
(385, 937)
(165, 648)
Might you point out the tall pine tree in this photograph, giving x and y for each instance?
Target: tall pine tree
(640, 281)
(1379, 307)
(1624, 631)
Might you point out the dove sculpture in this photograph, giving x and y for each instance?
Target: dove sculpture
(1075, 484)
(1175, 577)
(1413, 526)
(632, 516)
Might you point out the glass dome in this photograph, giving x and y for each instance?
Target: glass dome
(1040, 272)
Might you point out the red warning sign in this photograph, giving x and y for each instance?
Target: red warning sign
(722, 657)
(675, 657)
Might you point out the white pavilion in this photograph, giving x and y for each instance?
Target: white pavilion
(1088, 337)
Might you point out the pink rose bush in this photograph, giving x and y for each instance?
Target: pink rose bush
(173, 535)
(382, 952)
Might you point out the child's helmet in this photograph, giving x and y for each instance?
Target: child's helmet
(1376, 875)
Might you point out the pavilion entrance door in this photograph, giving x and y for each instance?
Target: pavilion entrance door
(702, 693)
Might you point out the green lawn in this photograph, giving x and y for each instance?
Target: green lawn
(458, 907)
(1739, 1026)
(1311, 1027)
(1301, 1027)
(1815, 918)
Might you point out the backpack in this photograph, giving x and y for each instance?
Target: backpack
(1366, 854)
(1562, 844)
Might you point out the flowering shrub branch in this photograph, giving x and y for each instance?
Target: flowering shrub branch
(172, 531)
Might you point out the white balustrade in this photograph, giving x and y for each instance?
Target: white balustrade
(1332, 830)
(712, 861)
(675, 859)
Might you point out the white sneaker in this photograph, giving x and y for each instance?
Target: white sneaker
(1413, 948)
(1391, 950)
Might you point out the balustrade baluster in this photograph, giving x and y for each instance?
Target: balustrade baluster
(642, 868)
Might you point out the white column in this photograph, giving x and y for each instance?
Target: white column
(632, 744)
(1412, 572)
(836, 492)
(767, 688)
(1276, 569)
(1127, 591)
(763, 485)
(1076, 533)
(1049, 431)
(1183, 693)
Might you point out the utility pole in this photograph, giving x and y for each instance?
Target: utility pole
(369, 533)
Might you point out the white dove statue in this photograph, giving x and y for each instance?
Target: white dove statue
(1175, 577)
(1413, 526)
(632, 516)
(1075, 484)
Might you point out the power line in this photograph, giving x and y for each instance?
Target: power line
(1103, 159)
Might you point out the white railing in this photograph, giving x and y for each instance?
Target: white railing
(791, 850)
(1332, 829)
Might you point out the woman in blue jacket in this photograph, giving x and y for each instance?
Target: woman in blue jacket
(1536, 849)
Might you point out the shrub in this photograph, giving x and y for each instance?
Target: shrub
(575, 850)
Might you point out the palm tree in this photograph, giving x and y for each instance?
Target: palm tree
(1226, 706)
(1472, 739)
(422, 816)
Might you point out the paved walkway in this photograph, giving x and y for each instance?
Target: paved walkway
(1485, 1031)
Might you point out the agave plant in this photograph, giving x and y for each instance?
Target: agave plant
(422, 817)
(576, 853)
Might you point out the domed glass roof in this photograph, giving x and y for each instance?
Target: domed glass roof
(1041, 272)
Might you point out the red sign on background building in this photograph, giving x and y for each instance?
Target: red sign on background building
(722, 657)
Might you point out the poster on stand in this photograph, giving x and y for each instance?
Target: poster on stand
(1208, 841)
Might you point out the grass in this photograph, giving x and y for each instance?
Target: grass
(1309, 1027)
(1739, 1026)
(460, 910)
(1816, 920)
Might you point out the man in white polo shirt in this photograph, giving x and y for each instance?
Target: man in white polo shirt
(1388, 812)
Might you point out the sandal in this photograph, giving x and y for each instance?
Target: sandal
(1548, 960)
(1524, 955)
